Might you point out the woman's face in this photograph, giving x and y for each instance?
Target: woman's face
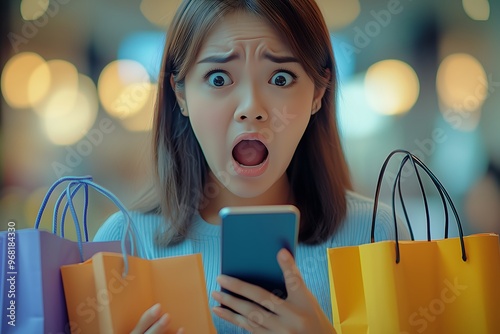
(249, 101)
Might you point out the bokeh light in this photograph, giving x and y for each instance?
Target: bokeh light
(124, 88)
(461, 82)
(33, 9)
(66, 123)
(391, 86)
(356, 118)
(478, 10)
(462, 88)
(143, 119)
(159, 12)
(63, 77)
(17, 84)
(146, 48)
(39, 84)
(339, 13)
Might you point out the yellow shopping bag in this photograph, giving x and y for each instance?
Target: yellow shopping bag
(434, 286)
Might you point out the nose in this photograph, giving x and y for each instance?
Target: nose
(251, 106)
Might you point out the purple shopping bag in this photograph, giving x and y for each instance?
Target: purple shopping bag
(32, 295)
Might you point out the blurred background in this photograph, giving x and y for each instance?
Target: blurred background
(78, 81)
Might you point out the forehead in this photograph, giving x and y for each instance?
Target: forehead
(243, 30)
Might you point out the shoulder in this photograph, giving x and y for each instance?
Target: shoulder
(146, 225)
(356, 227)
(148, 228)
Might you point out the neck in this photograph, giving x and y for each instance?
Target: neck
(279, 194)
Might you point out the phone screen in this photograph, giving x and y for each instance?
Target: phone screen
(251, 239)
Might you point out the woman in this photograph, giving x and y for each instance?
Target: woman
(246, 116)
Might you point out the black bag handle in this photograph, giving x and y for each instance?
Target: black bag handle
(415, 161)
(401, 199)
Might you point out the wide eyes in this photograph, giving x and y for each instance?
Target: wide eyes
(218, 78)
(282, 79)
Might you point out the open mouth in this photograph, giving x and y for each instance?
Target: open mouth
(250, 153)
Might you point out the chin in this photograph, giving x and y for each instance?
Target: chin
(249, 189)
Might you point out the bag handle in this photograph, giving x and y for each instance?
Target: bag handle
(415, 161)
(441, 194)
(75, 184)
(130, 229)
(58, 202)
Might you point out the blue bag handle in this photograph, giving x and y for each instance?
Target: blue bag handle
(75, 184)
(58, 203)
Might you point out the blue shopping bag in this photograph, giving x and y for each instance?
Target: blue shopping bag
(32, 296)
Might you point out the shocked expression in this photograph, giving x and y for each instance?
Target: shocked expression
(249, 101)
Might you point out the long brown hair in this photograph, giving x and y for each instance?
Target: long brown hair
(318, 173)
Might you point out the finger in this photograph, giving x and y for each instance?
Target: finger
(147, 319)
(159, 326)
(237, 319)
(293, 279)
(252, 292)
(247, 313)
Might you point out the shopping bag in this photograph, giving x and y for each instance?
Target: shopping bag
(122, 288)
(31, 295)
(449, 285)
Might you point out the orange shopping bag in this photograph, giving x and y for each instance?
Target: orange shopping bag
(110, 292)
(435, 286)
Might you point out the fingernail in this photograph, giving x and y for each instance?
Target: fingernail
(164, 319)
(217, 310)
(216, 294)
(284, 255)
(222, 279)
(155, 309)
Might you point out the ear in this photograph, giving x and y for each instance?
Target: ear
(319, 92)
(180, 96)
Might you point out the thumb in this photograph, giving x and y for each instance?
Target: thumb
(293, 279)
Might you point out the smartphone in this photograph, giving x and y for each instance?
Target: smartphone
(251, 239)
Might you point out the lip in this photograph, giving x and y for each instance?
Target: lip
(250, 171)
(250, 136)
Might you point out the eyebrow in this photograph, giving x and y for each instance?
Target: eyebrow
(280, 60)
(225, 59)
(219, 59)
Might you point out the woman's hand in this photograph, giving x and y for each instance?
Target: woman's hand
(299, 313)
(152, 322)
